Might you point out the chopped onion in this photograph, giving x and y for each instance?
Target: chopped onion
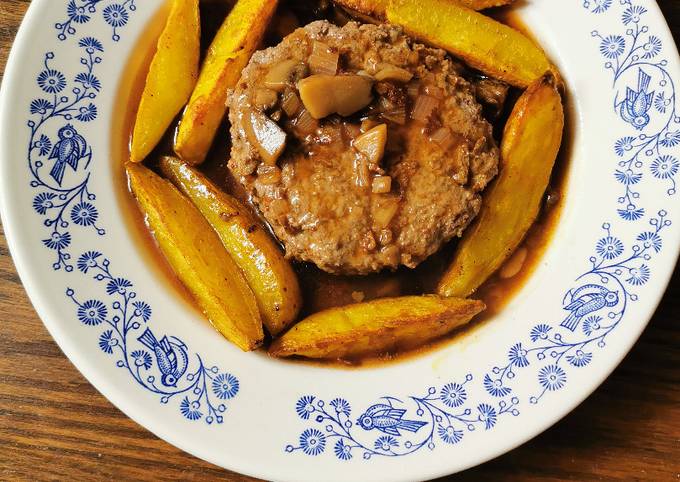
(268, 174)
(361, 173)
(265, 99)
(398, 115)
(381, 184)
(383, 209)
(305, 123)
(291, 103)
(424, 107)
(391, 72)
(444, 137)
(433, 91)
(322, 60)
(413, 89)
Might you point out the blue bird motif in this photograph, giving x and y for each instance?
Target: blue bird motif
(70, 149)
(586, 300)
(171, 356)
(388, 420)
(635, 107)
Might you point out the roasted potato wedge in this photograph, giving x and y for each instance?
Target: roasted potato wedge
(378, 8)
(198, 258)
(269, 275)
(375, 327)
(530, 145)
(229, 53)
(171, 78)
(485, 44)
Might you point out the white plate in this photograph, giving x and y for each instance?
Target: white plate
(464, 403)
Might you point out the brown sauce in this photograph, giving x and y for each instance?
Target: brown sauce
(322, 290)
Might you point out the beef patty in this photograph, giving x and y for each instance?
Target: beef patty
(362, 149)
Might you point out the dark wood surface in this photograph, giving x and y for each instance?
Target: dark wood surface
(54, 425)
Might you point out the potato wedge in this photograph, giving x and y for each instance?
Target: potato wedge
(530, 145)
(171, 78)
(229, 53)
(196, 255)
(485, 44)
(267, 272)
(378, 8)
(375, 327)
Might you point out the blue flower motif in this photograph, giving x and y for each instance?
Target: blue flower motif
(312, 441)
(623, 145)
(518, 356)
(580, 358)
(609, 247)
(58, 241)
(225, 386)
(107, 342)
(92, 313)
(633, 14)
(453, 394)
(539, 332)
(496, 387)
(117, 285)
(665, 167)
(449, 434)
(89, 81)
(341, 406)
(661, 103)
(142, 359)
(639, 276)
(305, 406)
(142, 310)
(191, 410)
(91, 44)
(44, 145)
(652, 240)
(88, 260)
(670, 139)
(598, 6)
(487, 414)
(631, 213)
(552, 377)
(652, 47)
(87, 113)
(628, 177)
(116, 15)
(51, 81)
(591, 324)
(40, 106)
(84, 214)
(386, 443)
(77, 14)
(612, 46)
(342, 450)
(43, 201)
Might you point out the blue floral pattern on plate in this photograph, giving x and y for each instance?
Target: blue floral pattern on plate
(116, 14)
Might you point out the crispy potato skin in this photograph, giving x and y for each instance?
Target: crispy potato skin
(171, 78)
(270, 276)
(375, 327)
(485, 44)
(229, 53)
(530, 145)
(198, 258)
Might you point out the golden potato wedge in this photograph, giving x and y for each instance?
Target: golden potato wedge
(229, 53)
(375, 327)
(171, 78)
(485, 44)
(378, 8)
(196, 255)
(269, 275)
(530, 145)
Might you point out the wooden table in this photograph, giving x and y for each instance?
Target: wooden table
(54, 425)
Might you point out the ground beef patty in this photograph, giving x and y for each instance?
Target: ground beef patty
(330, 199)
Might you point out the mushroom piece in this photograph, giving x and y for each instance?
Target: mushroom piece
(372, 143)
(279, 76)
(324, 95)
(266, 135)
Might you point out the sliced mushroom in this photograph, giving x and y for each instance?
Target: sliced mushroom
(396, 74)
(324, 95)
(280, 75)
(266, 135)
(372, 143)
